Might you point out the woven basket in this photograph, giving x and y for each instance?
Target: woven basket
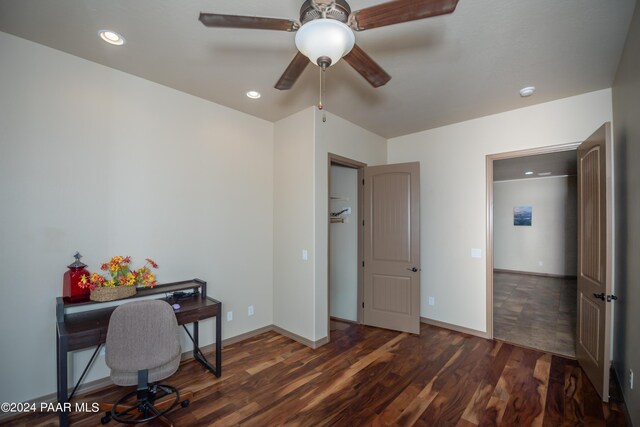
(112, 293)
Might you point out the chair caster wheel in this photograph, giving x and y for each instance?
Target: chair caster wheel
(185, 403)
(105, 419)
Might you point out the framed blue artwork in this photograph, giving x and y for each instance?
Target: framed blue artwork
(522, 215)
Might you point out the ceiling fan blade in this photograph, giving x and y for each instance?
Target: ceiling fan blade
(398, 11)
(367, 67)
(293, 71)
(251, 22)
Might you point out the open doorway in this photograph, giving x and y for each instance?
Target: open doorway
(345, 242)
(534, 248)
(594, 294)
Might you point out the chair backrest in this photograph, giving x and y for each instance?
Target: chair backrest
(142, 335)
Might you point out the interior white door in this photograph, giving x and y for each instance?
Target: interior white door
(392, 247)
(594, 258)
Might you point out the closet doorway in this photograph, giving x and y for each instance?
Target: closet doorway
(374, 245)
(345, 242)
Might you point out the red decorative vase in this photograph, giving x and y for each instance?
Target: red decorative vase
(71, 290)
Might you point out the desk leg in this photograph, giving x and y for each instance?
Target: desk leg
(219, 342)
(196, 338)
(197, 353)
(61, 358)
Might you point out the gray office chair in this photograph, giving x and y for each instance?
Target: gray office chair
(143, 347)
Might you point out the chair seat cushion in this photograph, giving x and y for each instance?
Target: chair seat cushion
(126, 378)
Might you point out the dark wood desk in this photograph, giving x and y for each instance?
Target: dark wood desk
(76, 331)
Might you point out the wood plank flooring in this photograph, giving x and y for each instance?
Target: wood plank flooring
(535, 311)
(375, 377)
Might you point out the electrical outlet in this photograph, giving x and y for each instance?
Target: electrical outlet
(250, 310)
(432, 301)
(630, 379)
(229, 316)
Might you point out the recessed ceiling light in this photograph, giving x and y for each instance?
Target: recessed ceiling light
(544, 173)
(253, 94)
(528, 173)
(527, 91)
(111, 37)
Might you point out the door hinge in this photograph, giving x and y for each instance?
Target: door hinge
(362, 304)
(363, 263)
(363, 222)
(363, 182)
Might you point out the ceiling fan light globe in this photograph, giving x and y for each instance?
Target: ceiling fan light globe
(325, 38)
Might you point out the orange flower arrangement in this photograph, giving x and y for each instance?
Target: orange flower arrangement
(121, 275)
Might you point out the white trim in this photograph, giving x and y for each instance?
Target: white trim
(454, 328)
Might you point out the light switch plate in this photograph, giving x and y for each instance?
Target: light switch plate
(476, 253)
(305, 255)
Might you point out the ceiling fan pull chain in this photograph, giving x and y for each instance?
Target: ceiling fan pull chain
(320, 104)
(322, 88)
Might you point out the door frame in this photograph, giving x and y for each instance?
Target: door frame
(489, 215)
(334, 159)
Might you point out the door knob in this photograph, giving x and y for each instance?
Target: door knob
(412, 269)
(600, 296)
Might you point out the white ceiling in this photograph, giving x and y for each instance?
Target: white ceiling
(444, 69)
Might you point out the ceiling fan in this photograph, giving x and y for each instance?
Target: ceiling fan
(325, 32)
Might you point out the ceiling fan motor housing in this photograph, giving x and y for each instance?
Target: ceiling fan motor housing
(332, 9)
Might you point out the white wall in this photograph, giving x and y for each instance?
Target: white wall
(343, 138)
(301, 212)
(96, 160)
(549, 245)
(626, 126)
(343, 245)
(293, 298)
(453, 194)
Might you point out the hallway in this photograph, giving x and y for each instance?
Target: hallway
(535, 311)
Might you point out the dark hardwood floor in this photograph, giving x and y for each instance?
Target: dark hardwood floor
(373, 377)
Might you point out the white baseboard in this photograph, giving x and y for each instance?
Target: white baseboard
(340, 319)
(532, 273)
(456, 328)
(301, 340)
